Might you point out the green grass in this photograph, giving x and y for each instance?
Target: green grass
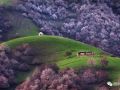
(21, 26)
(5, 2)
(51, 49)
(9, 2)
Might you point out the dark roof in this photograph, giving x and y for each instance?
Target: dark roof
(85, 52)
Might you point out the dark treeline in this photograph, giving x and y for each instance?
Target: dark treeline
(5, 24)
(13, 61)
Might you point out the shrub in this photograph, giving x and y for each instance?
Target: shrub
(104, 62)
(68, 53)
(101, 75)
(91, 62)
(102, 87)
(3, 82)
(89, 76)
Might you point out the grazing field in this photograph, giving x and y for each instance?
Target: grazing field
(21, 26)
(52, 49)
(6, 2)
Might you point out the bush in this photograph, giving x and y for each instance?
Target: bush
(68, 53)
(89, 76)
(91, 62)
(4, 82)
(101, 76)
(104, 62)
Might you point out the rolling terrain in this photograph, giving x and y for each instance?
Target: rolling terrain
(4, 2)
(19, 25)
(51, 49)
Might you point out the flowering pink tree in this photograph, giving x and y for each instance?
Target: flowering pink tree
(3, 82)
(89, 76)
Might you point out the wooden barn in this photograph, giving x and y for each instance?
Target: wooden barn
(85, 54)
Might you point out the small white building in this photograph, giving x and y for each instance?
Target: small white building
(41, 33)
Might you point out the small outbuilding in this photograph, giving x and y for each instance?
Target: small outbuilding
(85, 54)
(41, 33)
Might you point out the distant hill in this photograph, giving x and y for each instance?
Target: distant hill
(52, 49)
(14, 25)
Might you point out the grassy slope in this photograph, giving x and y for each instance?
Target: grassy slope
(21, 25)
(9, 2)
(6, 2)
(54, 48)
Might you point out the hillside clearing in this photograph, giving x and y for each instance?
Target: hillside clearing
(51, 49)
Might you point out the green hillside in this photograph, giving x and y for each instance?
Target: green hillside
(6, 2)
(9, 2)
(51, 49)
(21, 26)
